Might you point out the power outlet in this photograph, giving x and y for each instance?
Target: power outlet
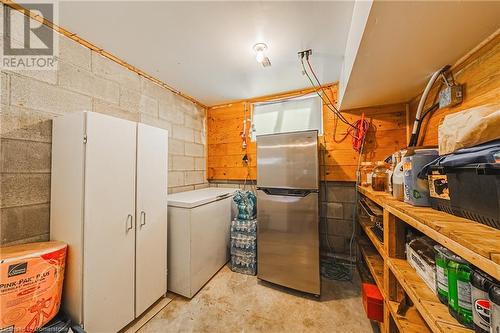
(450, 96)
(305, 53)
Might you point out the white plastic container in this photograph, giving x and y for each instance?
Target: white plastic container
(198, 237)
(416, 191)
(398, 182)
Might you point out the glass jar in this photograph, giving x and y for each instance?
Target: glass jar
(380, 177)
(366, 174)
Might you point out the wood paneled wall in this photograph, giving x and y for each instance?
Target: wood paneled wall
(479, 71)
(225, 124)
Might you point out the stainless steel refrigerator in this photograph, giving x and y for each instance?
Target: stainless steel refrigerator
(287, 210)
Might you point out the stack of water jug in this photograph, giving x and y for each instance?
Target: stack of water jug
(244, 234)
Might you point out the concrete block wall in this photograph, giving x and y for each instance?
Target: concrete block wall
(84, 81)
(336, 218)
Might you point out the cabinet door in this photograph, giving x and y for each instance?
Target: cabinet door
(151, 229)
(109, 234)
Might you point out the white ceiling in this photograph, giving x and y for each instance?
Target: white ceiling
(204, 49)
(404, 42)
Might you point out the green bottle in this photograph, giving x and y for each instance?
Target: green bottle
(459, 290)
(441, 257)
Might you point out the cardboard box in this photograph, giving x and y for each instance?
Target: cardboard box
(420, 255)
(31, 281)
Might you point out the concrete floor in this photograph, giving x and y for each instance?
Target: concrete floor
(233, 302)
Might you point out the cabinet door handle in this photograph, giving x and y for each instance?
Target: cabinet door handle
(143, 218)
(129, 222)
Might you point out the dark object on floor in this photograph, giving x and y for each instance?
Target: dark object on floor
(59, 324)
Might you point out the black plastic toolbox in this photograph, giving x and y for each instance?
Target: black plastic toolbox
(439, 189)
(467, 183)
(475, 192)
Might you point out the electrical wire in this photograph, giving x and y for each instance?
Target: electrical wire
(329, 267)
(337, 112)
(247, 162)
(327, 102)
(355, 207)
(356, 130)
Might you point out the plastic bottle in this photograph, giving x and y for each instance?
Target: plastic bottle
(398, 181)
(459, 290)
(390, 171)
(442, 255)
(416, 191)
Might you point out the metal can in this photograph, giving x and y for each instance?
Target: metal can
(494, 297)
(442, 255)
(480, 283)
(459, 290)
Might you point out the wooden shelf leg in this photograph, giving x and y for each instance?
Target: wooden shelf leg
(394, 236)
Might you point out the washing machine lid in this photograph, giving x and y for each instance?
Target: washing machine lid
(191, 199)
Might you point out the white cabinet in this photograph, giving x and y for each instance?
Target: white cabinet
(151, 213)
(198, 237)
(108, 202)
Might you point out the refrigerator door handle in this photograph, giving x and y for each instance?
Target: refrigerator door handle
(287, 192)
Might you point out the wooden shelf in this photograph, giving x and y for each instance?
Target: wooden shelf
(366, 226)
(380, 198)
(475, 242)
(434, 313)
(411, 322)
(375, 263)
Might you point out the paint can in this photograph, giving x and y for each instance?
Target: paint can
(480, 283)
(494, 297)
(416, 190)
(459, 290)
(442, 255)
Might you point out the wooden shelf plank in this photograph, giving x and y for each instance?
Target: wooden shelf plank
(434, 313)
(375, 263)
(411, 322)
(366, 226)
(475, 242)
(379, 198)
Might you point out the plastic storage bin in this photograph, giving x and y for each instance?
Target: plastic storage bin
(373, 302)
(473, 179)
(439, 190)
(475, 192)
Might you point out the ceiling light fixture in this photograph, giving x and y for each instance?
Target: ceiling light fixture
(260, 56)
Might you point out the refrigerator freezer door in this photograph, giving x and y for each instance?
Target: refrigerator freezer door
(288, 160)
(288, 244)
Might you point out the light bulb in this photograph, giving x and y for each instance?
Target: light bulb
(260, 56)
(259, 50)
